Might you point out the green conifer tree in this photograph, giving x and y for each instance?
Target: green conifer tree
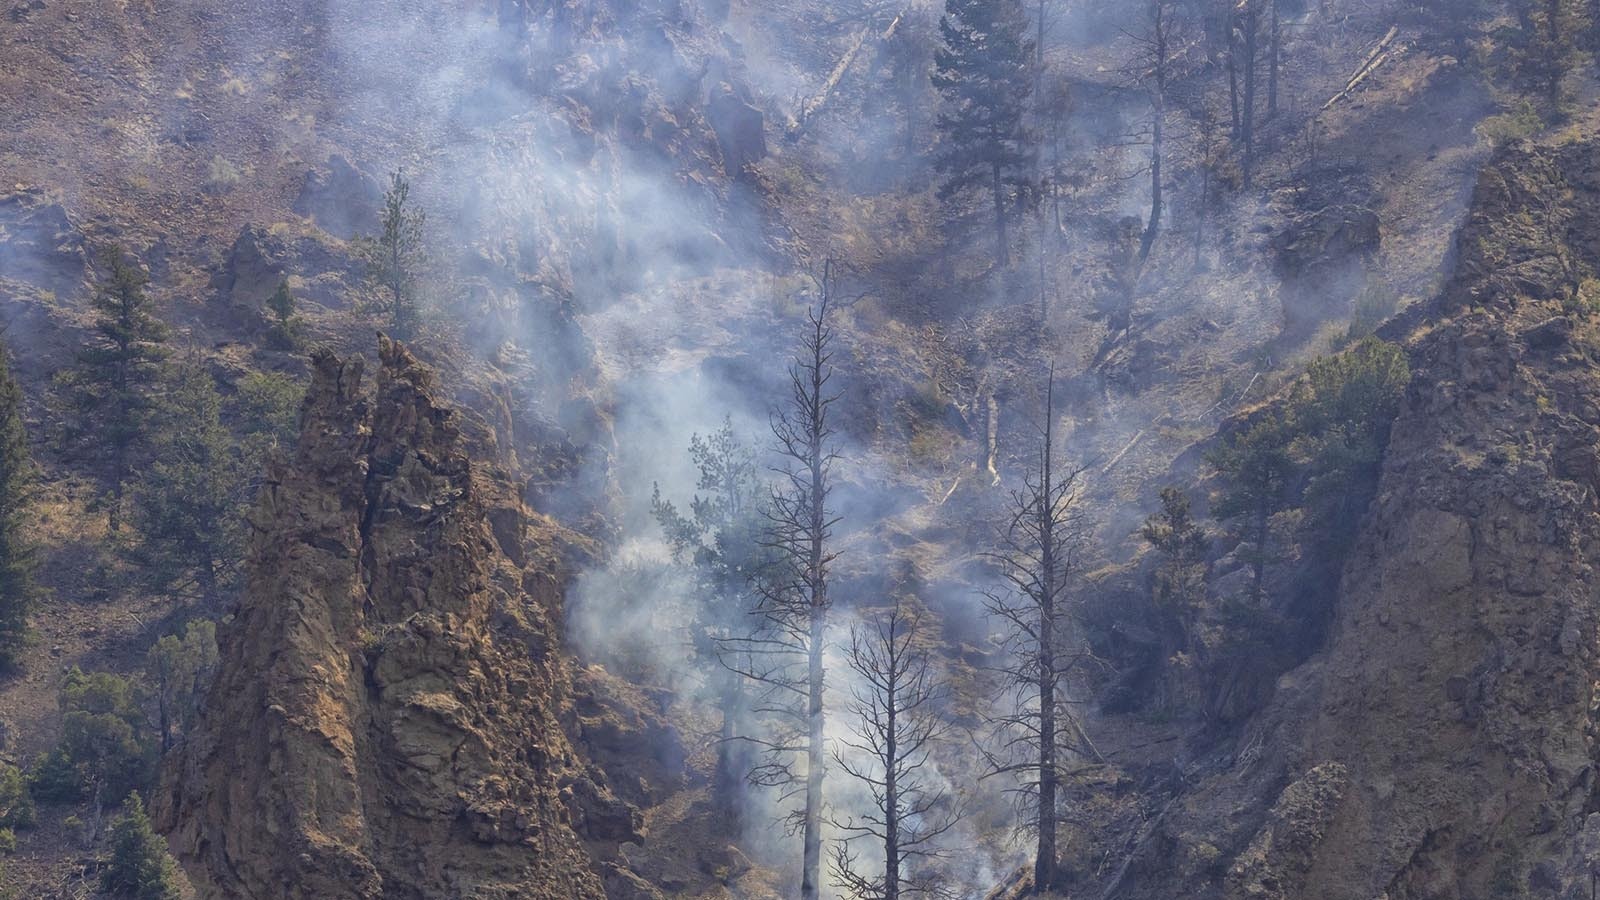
(1256, 466)
(395, 258)
(284, 333)
(191, 496)
(140, 867)
(114, 384)
(985, 72)
(17, 587)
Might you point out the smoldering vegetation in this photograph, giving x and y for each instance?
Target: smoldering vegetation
(632, 209)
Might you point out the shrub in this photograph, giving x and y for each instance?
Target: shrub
(1343, 409)
(16, 804)
(221, 176)
(105, 749)
(180, 668)
(1519, 123)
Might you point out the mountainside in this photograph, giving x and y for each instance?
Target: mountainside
(1161, 436)
(1444, 743)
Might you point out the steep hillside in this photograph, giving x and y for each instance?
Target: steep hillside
(460, 653)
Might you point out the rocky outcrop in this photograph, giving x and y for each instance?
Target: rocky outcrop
(1442, 745)
(1330, 229)
(385, 722)
(740, 129)
(343, 200)
(261, 257)
(39, 244)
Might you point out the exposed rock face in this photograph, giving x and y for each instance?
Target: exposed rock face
(385, 722)
(1443, 744)
(39, 244)
(261, 257)
(1329, 232)
(343, 200)
(740, 128)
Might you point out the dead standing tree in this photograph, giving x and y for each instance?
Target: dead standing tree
(1161, 46)
(896, 730)
(785, 655)
(1037, 555)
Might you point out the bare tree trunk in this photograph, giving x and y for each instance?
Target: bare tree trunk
(1233, 84)
(1044, 295)
(1257, 588)
(891, 795)
(895, 729)
(1272, 65)
(1036, 556)
(1044, 866)
(1002, 244)
(1247, 120)
(728, 776)
(810, 878)
(1553, 61)
(1158, 113)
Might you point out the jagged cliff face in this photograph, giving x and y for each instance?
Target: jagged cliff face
(1443, 745)
(385, 720)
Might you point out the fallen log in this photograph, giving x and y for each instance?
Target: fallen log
(814, 104)
(1374, 59)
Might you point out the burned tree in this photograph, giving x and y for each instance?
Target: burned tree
(890, 753)
(1037, 555)
(720, 537)
(1247, 39)
(784, 653)
(1159, 49)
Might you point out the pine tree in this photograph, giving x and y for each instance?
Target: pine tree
(1255, 465)
(114, 384)
(180, 668)
(17, 588)
(1551, 44)
(105, 749)
(191, 495)
(140, 867)
(721, 537)
(985, 72)
(285, 331)
(394, 258)
(1178, 583)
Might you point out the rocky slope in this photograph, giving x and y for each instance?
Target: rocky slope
(1443, 744)
(385, 721)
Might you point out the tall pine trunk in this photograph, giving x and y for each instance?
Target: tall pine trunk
(1272, 65)
(816, 762)
(1002, 245)
(810, 881)
(1247, 127)
(891, 799)
(1044, 866)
